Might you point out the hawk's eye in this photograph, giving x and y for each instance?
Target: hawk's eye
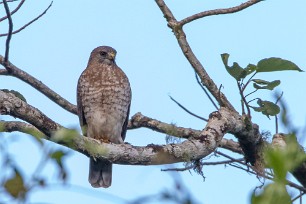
(102, 53)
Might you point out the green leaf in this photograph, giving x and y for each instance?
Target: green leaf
(267, 108)
(58, 156)
(275, 160)
(250, 68)
(276, 64)
(273, 193)
(266, 84)
(15, 186)
(236, 71)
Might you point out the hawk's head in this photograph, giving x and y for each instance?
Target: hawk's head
(104, 55)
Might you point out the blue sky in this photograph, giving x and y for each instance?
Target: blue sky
(56, 49)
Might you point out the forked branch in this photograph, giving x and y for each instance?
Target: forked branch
(29, 23)
(193, 60)
(219, 11)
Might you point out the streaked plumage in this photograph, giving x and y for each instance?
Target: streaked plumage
(103, 100)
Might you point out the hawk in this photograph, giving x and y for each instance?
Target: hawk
(103, 100)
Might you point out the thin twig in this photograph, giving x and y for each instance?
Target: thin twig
(279, 98)
(190, 56)
(205, 91)
(218, 12)
(185, 109)
(14, 11)
(202, 164)
(29, 23)
(244, 101)
(249, 80)
(9, 1)
(276, 124)
(250, 93)
(276, 118)
(10, 30)
(298, 197)
(261, 174)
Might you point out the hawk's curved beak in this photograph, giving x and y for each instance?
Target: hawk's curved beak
(112, 55)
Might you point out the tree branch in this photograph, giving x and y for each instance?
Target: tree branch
(10, 30)
(188, 111)
(219, 11)
(29, 23)
(203, 164)
(12, 70)
(12, 126)
(191, 149)
(139, 120)
(206, 93)
(195, 63)
(9, 1)
(14, 11)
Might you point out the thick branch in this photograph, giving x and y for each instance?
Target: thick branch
(219, 11)
(14, 106)
(195, 63)
(192, 149)
(139, 120)
(12, 70)
(196, 147)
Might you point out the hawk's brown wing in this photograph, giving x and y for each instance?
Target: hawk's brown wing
(124, 127)
(82, 119)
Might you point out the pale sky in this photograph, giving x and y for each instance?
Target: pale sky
(56, 49)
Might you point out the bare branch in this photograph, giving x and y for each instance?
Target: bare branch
(10, 30)
(202, 164)
(219, 11)
(261, 174)
(298, 197)
(3, 72)
(185, 109)
(29, 23)
(9, 1)
(14, 11)
(12, 126)
(12, 70)
(195, 63)
(205, 91)
(14, 106)
(139, 120)
(244, 102)
(192, 149)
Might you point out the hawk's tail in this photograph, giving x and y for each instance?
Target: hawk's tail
(100, 173)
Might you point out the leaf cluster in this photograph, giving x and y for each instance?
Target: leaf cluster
(240, 74)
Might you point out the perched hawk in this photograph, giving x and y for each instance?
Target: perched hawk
(103, 100)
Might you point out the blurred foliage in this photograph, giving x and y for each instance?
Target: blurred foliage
(281, 160)
(179, 194)
(15, 186)
(283, 157)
